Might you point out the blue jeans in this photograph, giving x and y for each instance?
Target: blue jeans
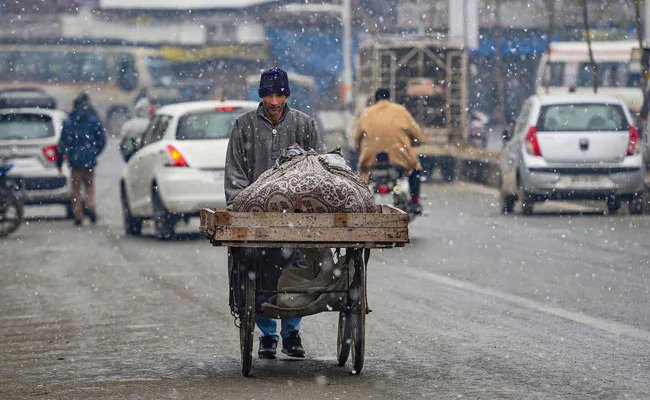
(268, 326)
(273, 261)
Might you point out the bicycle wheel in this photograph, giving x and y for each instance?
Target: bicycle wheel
(343, 339)
(11, 213)
(247, 323)
(358, 315)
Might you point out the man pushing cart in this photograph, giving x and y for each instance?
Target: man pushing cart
(268, 232)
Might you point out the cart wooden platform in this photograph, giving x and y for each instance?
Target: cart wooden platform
(357, 233)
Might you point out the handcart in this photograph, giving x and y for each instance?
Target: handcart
(354, 233)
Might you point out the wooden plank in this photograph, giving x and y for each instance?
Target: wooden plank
(391, 218)
(340, 220)
(388, 227)
(303, 234)
(207, 225)
(310, 244)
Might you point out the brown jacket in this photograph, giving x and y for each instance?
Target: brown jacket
(386, 126)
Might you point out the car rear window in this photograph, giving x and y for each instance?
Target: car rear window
(25, 126)
(582, 117)
(215, 124)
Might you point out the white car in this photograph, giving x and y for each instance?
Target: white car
(29, 139)
(573, 147)
(177, 168)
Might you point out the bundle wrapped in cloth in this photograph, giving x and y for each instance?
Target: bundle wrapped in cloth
(321, 283)
(305, 181)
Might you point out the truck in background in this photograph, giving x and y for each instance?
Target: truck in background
(429, 77)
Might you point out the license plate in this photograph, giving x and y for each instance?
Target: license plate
(218, 175)
(587, 179)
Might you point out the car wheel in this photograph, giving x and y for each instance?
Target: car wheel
(164, 221)
(635, 203)
(69, 211)
(132, 225)
(527, 202)
(613, 204)
(507, 203)
(447, 169)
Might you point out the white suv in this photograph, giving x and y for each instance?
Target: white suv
(177, 167)
(573, 147)
(29, 139)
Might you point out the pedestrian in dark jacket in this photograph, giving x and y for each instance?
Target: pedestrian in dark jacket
(82, 140)
(257, 140)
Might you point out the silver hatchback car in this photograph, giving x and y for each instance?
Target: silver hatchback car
(573, 147)
(29, 139)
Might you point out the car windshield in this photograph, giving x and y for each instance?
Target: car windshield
(25, 126)
(214, 124)
(582, 117)
(161, 71)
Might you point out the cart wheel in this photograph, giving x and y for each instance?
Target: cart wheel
(358, 315)
(247, 326)
(343, 340)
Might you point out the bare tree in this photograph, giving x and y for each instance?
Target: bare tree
(644, 58)
(594, 66)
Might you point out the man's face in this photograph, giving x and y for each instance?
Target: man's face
(274, 106)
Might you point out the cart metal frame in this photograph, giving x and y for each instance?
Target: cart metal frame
(357, 233)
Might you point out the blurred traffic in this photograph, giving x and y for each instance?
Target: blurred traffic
(129, 77)
(513, 134)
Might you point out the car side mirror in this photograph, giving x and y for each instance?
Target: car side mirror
(128, 147)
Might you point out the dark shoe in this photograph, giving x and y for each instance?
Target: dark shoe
(91, 214)
(77, 222)
(268, 346)
(292, 346)
(416, 209)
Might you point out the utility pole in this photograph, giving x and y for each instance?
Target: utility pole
(646, 12)
(549, 34)
(498, 60)
(644, 57)
(346, 20)
(463, 22)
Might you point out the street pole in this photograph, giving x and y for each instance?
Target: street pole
(346, 20)
(646, 30)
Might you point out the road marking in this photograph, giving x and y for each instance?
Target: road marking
(143, 326)
(598, 323)
(13, 317)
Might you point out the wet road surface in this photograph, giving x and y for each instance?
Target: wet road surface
(480, 305)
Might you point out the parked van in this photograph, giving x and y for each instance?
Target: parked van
(567, 67)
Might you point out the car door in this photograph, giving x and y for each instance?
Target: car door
(142, 166)
(511, 159)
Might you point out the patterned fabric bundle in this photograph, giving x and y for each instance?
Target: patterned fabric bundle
(305, 181)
